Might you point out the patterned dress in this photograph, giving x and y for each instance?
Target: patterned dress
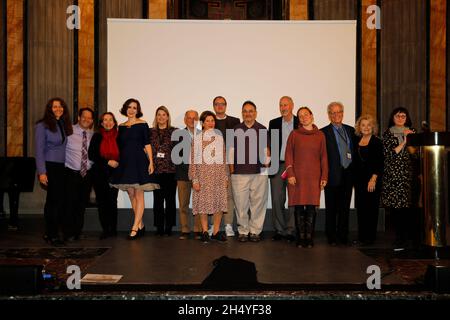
(399, 174)
(208, 168)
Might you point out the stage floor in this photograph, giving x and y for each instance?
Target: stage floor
(170, 261)
(166, 262)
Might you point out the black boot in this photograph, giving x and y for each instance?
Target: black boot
(310, 218)
(300, 226)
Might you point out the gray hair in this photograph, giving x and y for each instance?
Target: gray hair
(189, 111)
(335, 103)
(289, 98)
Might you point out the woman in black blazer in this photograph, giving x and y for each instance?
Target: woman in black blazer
(368, 166)
(104, 152)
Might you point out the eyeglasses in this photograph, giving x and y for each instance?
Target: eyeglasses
(400, 116)
(336, 113)
(222, 104)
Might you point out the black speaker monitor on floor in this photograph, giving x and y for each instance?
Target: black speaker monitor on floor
(437, 278)
(20, 279)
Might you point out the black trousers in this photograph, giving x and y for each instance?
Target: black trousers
(75, 202)
(165, 217)
(106, 198)
(367, 206)
(337, 209)
(54, 203)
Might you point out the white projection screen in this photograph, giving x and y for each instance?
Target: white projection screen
(184, 64)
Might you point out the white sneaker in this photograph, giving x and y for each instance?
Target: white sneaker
(229, 230)
(210, 230)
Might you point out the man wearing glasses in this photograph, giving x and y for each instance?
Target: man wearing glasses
(223, 123)
(338, 192)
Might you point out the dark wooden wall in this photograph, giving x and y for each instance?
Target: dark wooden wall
(50, 58)
(403, 59)
(111, 9)
(334, 10)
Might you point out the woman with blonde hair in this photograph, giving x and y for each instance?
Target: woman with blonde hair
(368, 164)
(161, 141)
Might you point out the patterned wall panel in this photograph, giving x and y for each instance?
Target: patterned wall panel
(298, 10)
(50, 57)
(230, 9)
(438, 25)
(403, 59)
(15, 78)
(368, 65)
(157, 9)
(447, 49)
(111, 9)
(2, 78)
(86, 54)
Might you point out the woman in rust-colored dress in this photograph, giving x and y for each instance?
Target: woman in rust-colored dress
(307, 169)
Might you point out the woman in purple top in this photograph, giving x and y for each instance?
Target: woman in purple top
(50, 141)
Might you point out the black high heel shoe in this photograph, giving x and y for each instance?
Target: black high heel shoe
(130, 237)
(141, 231)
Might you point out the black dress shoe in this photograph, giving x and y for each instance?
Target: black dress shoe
(290, 238)
(57, 243)
(205, 237)
(277, 237)
(104, 235)
(219, 236)
(168, 231)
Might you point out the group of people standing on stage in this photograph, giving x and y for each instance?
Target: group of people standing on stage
(224, 178)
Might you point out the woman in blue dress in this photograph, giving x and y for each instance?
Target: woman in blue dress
(135, 171)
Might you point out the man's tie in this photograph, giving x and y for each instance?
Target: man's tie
(344, 149)
(84, 156)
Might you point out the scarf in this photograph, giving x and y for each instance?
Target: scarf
(108, 147)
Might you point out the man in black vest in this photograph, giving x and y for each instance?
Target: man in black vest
(338, 192)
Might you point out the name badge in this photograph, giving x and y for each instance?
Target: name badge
(349, 156)
(160, 155)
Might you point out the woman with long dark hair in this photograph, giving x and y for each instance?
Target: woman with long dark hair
(50, 148)
(104, 152)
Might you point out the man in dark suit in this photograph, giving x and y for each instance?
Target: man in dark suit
(338, 191)
(283, 220)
